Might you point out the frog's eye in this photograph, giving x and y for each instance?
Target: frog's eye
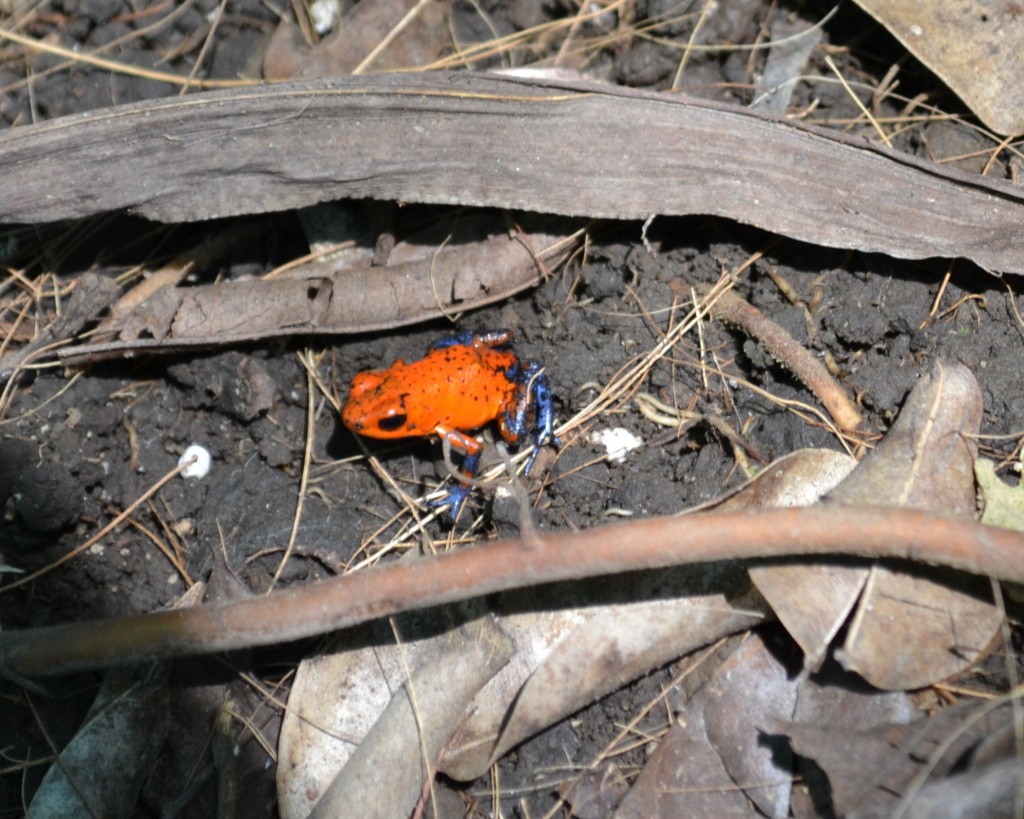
(392, 423)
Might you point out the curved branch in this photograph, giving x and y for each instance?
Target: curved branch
(346, 601)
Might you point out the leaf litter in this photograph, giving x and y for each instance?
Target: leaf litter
(723, 379)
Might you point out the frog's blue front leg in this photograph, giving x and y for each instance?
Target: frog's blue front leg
(456, 497)
(458, 494)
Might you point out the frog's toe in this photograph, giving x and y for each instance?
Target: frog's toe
(454, 500)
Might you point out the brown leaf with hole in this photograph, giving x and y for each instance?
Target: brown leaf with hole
(944, 620)
(903, 769)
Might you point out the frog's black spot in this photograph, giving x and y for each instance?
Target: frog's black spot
(392, 423)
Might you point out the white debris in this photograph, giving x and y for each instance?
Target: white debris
(200, 467)
(324, 14)
(618, 442)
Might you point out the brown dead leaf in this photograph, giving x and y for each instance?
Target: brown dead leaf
(717, 756)
(945, 621)
(893, 770)
(573, 644)
(482, 263)
(976, 47)
(381, 779)
(506, 142)
(812, 601)
(797, 479)
(925, 462)
(598, 639)
(840, 701)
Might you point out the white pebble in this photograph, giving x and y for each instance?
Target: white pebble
(618, 442)
(324, 14)
(200, 467)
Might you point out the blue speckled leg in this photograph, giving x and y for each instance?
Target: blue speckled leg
(472, 451)
(456, 497)
(533, 415)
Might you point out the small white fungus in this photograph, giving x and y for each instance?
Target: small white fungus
(325, 14)
(618, 442)
(200, 467)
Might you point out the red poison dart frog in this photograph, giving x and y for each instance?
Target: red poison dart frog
(463, 383)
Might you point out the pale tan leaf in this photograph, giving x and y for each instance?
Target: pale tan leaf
(339, 697)
(573, 644)
(385, 775)
(976, 47)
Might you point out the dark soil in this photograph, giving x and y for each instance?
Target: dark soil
(75, 451)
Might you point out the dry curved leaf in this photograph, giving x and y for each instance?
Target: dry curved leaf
(508, 142)
(573, 644)
(570, 657)
(423, 283)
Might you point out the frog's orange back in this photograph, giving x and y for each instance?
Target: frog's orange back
(460, 387)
